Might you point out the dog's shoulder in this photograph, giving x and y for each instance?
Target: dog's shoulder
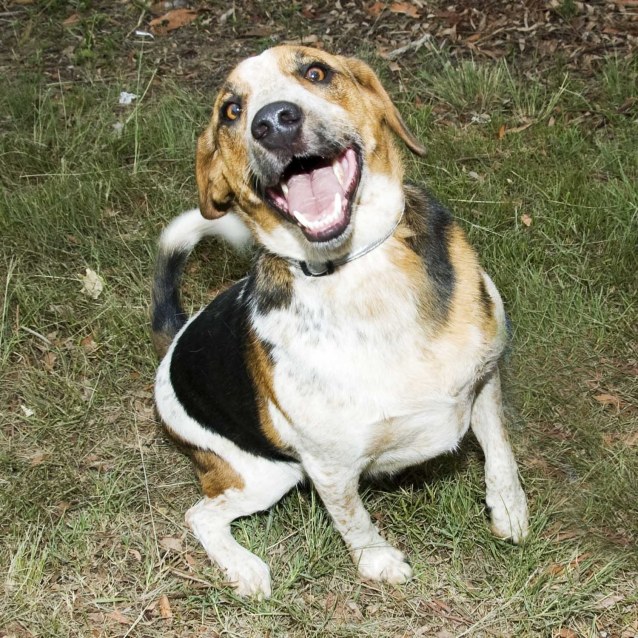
(459, 290)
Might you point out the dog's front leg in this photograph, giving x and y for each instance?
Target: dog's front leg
(504, 496)
(374, 557)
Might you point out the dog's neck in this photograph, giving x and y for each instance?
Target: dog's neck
(329, 266)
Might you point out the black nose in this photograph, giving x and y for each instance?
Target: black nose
(277, 125)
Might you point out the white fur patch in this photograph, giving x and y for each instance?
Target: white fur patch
(185, 231)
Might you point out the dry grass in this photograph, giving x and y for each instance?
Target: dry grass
(93, 497)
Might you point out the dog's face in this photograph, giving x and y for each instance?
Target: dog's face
(300, 142)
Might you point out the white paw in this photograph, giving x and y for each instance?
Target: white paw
(383, 563)
(250, 577)
(509, 517)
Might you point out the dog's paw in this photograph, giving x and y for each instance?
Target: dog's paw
(510, 517)
(250, 577)
(383, 563)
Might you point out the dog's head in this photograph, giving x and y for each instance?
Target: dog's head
(301, 143)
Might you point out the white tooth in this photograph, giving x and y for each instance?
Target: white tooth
(336, 212)
(337, 169)
(284, 188)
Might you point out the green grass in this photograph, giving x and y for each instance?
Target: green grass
(89, 488)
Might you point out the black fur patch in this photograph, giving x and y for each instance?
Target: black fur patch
(210, 376)
(486, 300)
(168, 316)
(432, 224)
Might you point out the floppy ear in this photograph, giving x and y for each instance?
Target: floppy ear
(215, 195)
(368, 79)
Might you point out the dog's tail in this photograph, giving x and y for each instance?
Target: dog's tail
(176, 242)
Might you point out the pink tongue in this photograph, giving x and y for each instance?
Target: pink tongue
(313, 194)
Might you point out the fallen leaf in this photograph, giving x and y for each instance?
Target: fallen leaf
(88, 343)
(501, 131)
(405, 8)
(164, 607)
(526, 220)
(119, 617)
(605, 602)
(609, 399)
(555, 569)
(92, 284)
(394, 67)
(136, 555)
(48, 360)
(172, 20)
(171, 544)
(39, 457)
(74, 18)
(630, 440)
(473, 175)
(376, 9)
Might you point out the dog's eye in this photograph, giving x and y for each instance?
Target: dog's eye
(316, 73)
(232, 111)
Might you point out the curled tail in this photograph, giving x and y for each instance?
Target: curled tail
(176, 242)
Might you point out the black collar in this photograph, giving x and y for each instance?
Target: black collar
(323, 268)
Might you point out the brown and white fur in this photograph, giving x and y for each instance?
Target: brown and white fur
(382, 364)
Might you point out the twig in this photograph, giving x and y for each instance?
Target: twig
(410, 46)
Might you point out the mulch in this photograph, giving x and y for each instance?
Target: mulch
(197, 42)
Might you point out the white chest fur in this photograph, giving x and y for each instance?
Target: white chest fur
(358, 373)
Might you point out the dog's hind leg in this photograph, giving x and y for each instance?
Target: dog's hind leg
(374, 557)
(504, 496)
(210, 519)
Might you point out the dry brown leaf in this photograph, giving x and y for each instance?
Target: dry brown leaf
(88, 343)
(405, 8)
(172, 20)
(38, 458)
(555, 569)
(501, 131)
(170, 543)
(608, 601)
(609, 399)
(74, 18)
(526, 220)
(136, 555)
(394, 67)
(119, 617)
(48, 360)
(564, 632)
(164, 607)
(376, 9)
(631, 439)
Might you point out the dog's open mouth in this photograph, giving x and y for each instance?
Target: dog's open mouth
(317, 193)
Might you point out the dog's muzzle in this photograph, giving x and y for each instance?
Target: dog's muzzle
(319, 177)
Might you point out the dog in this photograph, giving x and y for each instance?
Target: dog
(365, 338)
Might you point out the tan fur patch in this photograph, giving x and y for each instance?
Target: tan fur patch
(468, 303)
(215, 474)
(260, 369)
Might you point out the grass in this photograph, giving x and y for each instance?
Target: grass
(542, 173)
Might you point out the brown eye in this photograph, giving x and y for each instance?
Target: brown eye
(232, 111)
(315, 74)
